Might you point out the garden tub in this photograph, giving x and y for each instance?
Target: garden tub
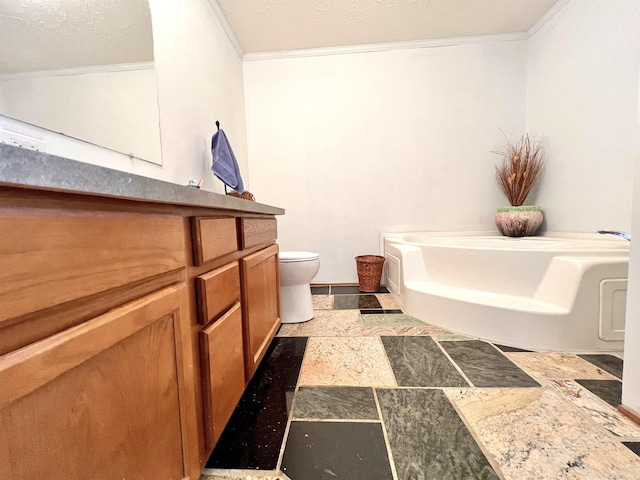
(558, 292)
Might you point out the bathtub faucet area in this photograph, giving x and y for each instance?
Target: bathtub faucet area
(626, 236)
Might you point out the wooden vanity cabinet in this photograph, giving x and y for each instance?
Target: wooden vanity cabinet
(221, 347)
(94, 325)
(238, 307)
(128, 332)
(261, 303)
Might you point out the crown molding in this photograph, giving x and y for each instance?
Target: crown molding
(384, 47)
(552, 12)
(224, 23)
(61, 72)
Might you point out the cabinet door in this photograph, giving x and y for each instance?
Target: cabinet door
(222, 371)
(261, 303)
(99, 400)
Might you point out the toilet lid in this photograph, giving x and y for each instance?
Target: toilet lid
(298, 256)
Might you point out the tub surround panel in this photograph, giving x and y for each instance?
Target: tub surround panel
(336, 403)
(418, 362)
(485, 366)
(256, 429)
(427, 437)
(325, 450)
(539, 293)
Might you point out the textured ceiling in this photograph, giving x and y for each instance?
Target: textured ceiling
(53, 34)
(275, 25)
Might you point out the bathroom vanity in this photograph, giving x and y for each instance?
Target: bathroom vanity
(133, 314)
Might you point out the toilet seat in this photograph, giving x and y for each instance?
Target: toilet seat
(286, 257)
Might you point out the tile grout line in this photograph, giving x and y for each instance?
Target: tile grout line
(483, 448)
(395, 379)
(613, 436)
(285, 437)
(387, 443)
(453, 363)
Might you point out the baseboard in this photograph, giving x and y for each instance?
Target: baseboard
(630, 414)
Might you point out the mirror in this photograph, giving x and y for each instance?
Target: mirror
(82, 68)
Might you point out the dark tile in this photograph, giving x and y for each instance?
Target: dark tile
(339, 403)
(506, 348)
(352, 290)
(355, 302)
(485, 366)
(378, 312)
(633, 446)
(608, 363)
(320, 290)
(418, 362)
(331, 450)
(428, 439)
(256, 429)
(608, 390)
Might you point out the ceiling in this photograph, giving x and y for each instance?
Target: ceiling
(276, 25)
(57, 34)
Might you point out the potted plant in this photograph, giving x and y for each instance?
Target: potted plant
(521, 168)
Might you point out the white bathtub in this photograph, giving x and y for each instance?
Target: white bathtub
(561, 292)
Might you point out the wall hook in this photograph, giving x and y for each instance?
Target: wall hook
(218, 125)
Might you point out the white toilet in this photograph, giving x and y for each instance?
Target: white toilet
(297, 269)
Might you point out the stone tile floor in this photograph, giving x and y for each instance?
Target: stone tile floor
(365, 391)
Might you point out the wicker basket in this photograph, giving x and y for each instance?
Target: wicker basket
(369, 272)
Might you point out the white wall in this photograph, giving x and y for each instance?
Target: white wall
(357, 144)
(114, 109)
(199, 81)
(631, 374)
(582, 95)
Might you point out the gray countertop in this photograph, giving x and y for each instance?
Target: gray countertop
(28, 169)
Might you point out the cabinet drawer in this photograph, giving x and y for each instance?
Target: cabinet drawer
(217, 291)
(213, 237)
(55, 256)
(223, 372)
(257, 231)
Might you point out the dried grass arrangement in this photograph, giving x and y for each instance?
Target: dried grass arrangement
(522, 165)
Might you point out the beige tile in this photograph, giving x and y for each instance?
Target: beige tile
(557, 366)
(595, 408)
(322, 302)
(355, 361)
(402, 330)
(388, 301)
(453, 337)
(535, 434)
(326, 323)
(243, 475)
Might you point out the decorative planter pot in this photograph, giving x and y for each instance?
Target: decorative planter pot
(521, 221)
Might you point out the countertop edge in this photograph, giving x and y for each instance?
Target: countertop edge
(36, 170)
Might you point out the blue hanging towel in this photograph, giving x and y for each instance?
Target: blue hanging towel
(225, 165)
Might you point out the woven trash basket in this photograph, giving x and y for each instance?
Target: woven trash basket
(369, 272)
